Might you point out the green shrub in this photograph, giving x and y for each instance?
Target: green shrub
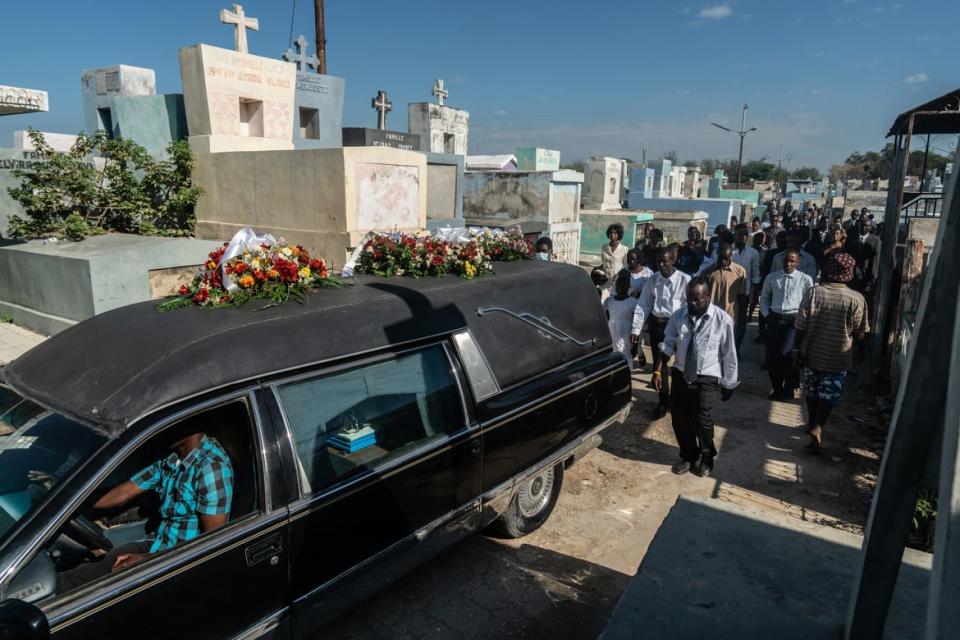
(65, 196)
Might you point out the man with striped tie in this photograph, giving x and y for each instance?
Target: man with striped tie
(701, 337)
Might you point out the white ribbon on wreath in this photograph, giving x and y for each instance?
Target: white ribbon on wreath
(242, 240)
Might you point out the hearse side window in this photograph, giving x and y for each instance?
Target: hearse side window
(193, 477)
(353, 420)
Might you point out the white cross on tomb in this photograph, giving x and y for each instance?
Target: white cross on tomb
(241, 24)
(440, 92)
(303, 61)
(383, 106)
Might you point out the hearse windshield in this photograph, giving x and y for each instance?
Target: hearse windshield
(38, 449)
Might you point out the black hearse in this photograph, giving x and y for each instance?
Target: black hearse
(478, 395)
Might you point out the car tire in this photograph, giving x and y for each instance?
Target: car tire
(532, 503)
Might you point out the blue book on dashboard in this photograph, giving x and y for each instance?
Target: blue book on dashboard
(355, 445)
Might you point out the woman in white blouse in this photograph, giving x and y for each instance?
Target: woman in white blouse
(614, 253)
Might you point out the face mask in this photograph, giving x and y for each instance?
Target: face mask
(541, 255)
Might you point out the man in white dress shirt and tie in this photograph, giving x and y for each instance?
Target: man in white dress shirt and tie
(701, 337)
(664, 293)
(779, 303)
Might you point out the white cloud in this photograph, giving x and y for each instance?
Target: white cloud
(916, 78)
(881, 9)
(500, 112)
(716, 12)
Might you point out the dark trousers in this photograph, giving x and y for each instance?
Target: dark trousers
(780, 334)
(90, 571)
(691, 410)
(657, 327)
(740, 324)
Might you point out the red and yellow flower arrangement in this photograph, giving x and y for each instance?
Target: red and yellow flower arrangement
(274, 272)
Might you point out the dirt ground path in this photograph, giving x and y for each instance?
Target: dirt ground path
(564, 580)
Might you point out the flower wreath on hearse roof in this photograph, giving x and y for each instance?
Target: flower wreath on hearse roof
(253, 266)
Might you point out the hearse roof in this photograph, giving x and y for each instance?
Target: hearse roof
(124, 364)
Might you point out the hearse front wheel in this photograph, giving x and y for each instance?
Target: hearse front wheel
(532, 504)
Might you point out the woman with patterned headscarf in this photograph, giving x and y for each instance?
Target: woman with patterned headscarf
(831, 318)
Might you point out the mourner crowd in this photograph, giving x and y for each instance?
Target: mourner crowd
(812, 277)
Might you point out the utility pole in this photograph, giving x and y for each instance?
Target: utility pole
(321, 36)
(779, 176)
(644, 156)
(743, 134)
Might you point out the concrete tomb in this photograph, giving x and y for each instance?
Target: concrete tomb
(15, 100)
(501, 162)
(363, 137)
(445, 190)
(122, 100)
(541, 203)
(602, 186)
(237, 101)
(534, 159)
(594, 224)
(381, 137)
(325, 199)
(318, 106)
(442, 128)
(678, 177)
(61, 142)
(49, 287)
(642, 180)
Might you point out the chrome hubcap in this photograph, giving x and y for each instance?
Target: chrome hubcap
(534, 494)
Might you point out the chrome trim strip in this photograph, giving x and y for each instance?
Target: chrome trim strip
(475, 366)
(265, 625)
(184, 560)
(261, 436)
(419, 535)
(451, 362)
(94, 480)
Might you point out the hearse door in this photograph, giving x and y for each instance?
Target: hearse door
(389, 468)
(225, 583)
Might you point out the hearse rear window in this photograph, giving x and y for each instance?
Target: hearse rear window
(358, 419)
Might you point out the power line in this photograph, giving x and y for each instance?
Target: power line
(293, 13)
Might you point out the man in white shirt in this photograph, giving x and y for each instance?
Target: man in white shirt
(662, 295)
(779, 303)
(700, 334)
(808, 263)
(748, 258)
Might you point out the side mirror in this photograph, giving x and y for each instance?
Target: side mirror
(22, 621)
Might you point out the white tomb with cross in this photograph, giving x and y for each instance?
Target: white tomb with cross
(442, 128)
(601, 190)
(318, 108)
(237, 101)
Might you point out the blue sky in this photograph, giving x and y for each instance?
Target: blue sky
(822, 77)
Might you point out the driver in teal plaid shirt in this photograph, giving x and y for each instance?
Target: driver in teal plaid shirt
(195, 487)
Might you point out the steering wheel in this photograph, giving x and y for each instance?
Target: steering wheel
(87, 533)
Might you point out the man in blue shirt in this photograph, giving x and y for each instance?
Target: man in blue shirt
(780, 301)
(195, 487)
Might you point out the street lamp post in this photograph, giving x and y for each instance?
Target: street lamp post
(743, 134)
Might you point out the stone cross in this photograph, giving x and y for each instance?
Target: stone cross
(303, 61)
(383, 105)
(241, 24)
(440, 92)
